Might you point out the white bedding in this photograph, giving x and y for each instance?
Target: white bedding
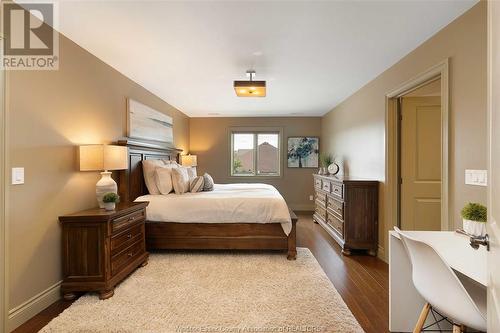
(227, 203)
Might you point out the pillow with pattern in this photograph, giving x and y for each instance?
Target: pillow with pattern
(209, 182)
(196, 184)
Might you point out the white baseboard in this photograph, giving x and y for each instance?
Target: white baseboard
(27, 310)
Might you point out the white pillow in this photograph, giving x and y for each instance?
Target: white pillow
(148, 170)
(192, 172)
(180, 180)
(164, 180)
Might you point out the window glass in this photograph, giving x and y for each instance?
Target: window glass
(243, 154)
(268, 155)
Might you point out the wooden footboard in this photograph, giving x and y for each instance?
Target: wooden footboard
(221, 236)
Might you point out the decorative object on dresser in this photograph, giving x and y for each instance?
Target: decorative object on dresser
(103, 157)
(303, 152)
(100, 248)
(474, 217)
(110, 200)
(347, 209)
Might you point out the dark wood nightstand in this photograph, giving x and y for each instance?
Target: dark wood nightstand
(100, 248)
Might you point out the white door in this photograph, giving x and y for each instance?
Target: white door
(494, 166)
(421, 163)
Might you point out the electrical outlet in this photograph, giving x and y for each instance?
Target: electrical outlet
(311, 198)
(476, 177)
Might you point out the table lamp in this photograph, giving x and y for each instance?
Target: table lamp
(188, 160)
(103, 158)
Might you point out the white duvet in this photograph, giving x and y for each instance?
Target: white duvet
(227, 203)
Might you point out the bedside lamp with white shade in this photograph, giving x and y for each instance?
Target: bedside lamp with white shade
(103, 158)
(188, 160)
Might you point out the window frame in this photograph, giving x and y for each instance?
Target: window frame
(255, 131)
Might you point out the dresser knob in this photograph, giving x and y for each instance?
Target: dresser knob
(130, 254)
(129, 236)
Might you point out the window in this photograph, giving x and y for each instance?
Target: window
(255, 154)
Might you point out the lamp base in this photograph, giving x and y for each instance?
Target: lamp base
(105, 185)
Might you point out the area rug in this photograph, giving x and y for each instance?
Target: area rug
(216, 292)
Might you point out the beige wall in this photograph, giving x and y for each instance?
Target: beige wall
(354, 130)
(209, 140)
(50, 112)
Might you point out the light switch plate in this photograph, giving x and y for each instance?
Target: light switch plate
(476, 177)
(17, 176)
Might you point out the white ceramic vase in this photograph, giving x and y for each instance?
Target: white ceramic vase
(109, 206)
(105, 185)
(474, 228)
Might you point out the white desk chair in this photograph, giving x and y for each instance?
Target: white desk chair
(440, 287)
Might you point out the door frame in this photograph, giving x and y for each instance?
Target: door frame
(392, 138)
(4, 301)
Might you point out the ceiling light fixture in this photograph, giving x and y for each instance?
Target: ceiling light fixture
(250, 88)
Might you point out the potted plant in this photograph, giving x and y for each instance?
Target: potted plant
(110, 200)
(325, 161)
(474, 219)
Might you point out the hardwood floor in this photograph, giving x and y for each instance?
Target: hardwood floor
(362, 281)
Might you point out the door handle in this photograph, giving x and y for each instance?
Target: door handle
(475, 242)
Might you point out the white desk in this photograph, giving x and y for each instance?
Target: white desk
(405, 303)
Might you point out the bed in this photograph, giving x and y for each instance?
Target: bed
(252, 217)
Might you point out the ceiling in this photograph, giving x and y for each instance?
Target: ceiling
(313, 55)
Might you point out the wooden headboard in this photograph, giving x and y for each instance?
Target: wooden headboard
(131, 181)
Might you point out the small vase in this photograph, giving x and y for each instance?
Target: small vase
(109, 206)
(474, 228)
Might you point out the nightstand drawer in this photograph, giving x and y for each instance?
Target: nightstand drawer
(123, 222)
(126, 238)
(122, 259)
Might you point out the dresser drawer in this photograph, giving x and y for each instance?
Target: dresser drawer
(321, 212)
(126, 238)
(327, 186)
(338, 190)
(123, 222)
(336, 224)
(122, 259)
(317, 183)
(321, 196)
(336, 206)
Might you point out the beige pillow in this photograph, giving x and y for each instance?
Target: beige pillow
(180, 180)
(164, 180)
(148, 170)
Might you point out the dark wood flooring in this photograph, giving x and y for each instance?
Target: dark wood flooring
(361, 280)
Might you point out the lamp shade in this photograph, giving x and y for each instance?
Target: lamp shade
(188, 160)
(102, 157)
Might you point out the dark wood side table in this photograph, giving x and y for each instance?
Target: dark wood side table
(100, 248)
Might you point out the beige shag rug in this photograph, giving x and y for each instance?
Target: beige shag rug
(216, 292)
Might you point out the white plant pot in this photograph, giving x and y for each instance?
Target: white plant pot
(109, 205)
(474, 228)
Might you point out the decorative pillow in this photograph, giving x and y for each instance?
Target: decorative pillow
(149, 168)
(180, 180)
(164, 180)
(192, 172)
(209, 182)
(196, 184)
